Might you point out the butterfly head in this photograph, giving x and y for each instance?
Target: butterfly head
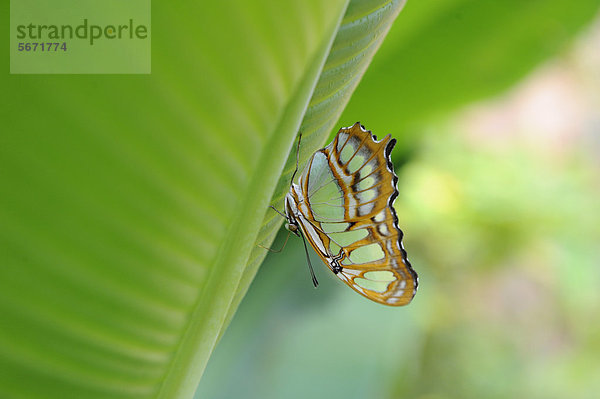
(291, 222)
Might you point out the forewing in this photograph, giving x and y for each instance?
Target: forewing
(345, 195)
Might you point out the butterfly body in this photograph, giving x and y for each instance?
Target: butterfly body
(342, 204)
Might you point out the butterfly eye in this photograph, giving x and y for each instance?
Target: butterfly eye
(291, 227)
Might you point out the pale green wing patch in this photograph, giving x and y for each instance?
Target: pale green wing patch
(326, 196)
(349, 237)
(334, 227)
(318, 175)
(376, 280)
(370, 253)
(366, 183)
(326, 212)
(349, 148)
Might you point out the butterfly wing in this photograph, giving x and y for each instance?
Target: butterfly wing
(344, 200)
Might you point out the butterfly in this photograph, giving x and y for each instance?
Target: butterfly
(343, 205)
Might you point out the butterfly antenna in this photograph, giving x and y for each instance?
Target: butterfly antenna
(297, 158)
(312, 272)
(277, 210)
(277, 250)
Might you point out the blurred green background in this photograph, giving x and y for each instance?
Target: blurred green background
(496, 106)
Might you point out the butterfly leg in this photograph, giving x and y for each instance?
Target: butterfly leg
(277, 250)
(286, 239)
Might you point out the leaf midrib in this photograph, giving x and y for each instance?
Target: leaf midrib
(191, 354)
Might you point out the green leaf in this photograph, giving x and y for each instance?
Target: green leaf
(130, 206)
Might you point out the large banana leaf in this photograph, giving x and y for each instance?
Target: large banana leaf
(131, 206)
